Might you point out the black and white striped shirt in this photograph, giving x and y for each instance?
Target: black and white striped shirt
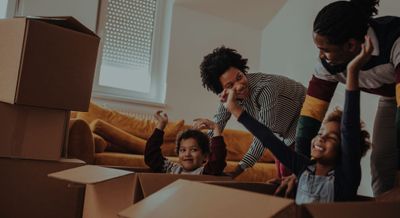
(273, 100)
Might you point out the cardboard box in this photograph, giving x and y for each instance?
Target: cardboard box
(257, 187)
(184, 198)
(31, 132)
(108, 191)
(47, 62)
(350, 210)
(26, 190)
(390, 196)
(149, 183)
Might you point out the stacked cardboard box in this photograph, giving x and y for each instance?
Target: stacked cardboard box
(47, 67)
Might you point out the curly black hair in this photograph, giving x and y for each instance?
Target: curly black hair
(343, 20)
(365, 142)
(217, 63)
(201, 138)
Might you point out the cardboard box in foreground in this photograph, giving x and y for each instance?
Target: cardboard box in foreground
(47, 62)
(184, 198)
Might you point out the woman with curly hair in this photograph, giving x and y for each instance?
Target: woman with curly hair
(338, 33)
(272, 99)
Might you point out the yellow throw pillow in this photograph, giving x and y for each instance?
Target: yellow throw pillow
(118, 137)
(100, 144)
(139, 127)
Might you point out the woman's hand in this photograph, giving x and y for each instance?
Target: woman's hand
(162, 119)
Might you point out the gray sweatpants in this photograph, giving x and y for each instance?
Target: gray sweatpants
(384, 155)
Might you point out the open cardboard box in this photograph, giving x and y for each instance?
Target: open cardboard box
(108, 191)
(257, 187)
(27, 191)
(194, 199)
(32, 132)
(47, 62)
(148, 183)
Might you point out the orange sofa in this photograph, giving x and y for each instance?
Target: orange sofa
(92, 131)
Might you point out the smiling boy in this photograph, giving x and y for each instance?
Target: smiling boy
(196, 154)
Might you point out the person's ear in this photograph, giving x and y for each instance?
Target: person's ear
(205, 158)
(353, 45)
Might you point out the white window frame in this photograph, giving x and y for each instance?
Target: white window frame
(11, 10)
(159, 63)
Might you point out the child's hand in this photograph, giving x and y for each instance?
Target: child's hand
(201, 123)
(362, 58)
(162, 119)
(231, 102)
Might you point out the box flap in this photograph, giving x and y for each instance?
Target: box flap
(89, 174)
(184, 198)
(351, 209)
(152, 182)
(66, 22)
(258, 187)
(391, 195)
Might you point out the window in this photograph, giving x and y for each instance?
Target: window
(7, 8)
(133, 59)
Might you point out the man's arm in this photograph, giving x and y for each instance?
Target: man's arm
(319, 95)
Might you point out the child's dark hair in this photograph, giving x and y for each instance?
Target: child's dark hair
(202, 140)
(342, 20)
(217, 63)
(336, 116)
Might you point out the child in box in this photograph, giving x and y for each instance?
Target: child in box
(334, 172)
(192, 146)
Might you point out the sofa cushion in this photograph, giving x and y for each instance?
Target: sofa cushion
(260, 172)
(238, 142)
(139, 127)
(118, 137)
(100, 144)
(80, 141)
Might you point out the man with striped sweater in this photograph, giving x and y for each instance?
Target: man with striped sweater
(339, 31)
(272, 99)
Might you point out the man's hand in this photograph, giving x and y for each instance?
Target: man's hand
(162, 119)
(286, 186)
(202, 123)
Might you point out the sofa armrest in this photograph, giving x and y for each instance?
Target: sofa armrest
(80, 141)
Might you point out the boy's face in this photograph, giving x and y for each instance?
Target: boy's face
(234, 79)
(336, 54)
(325, 146)
(190, 154)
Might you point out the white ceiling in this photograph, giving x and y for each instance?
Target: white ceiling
(252, 13)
